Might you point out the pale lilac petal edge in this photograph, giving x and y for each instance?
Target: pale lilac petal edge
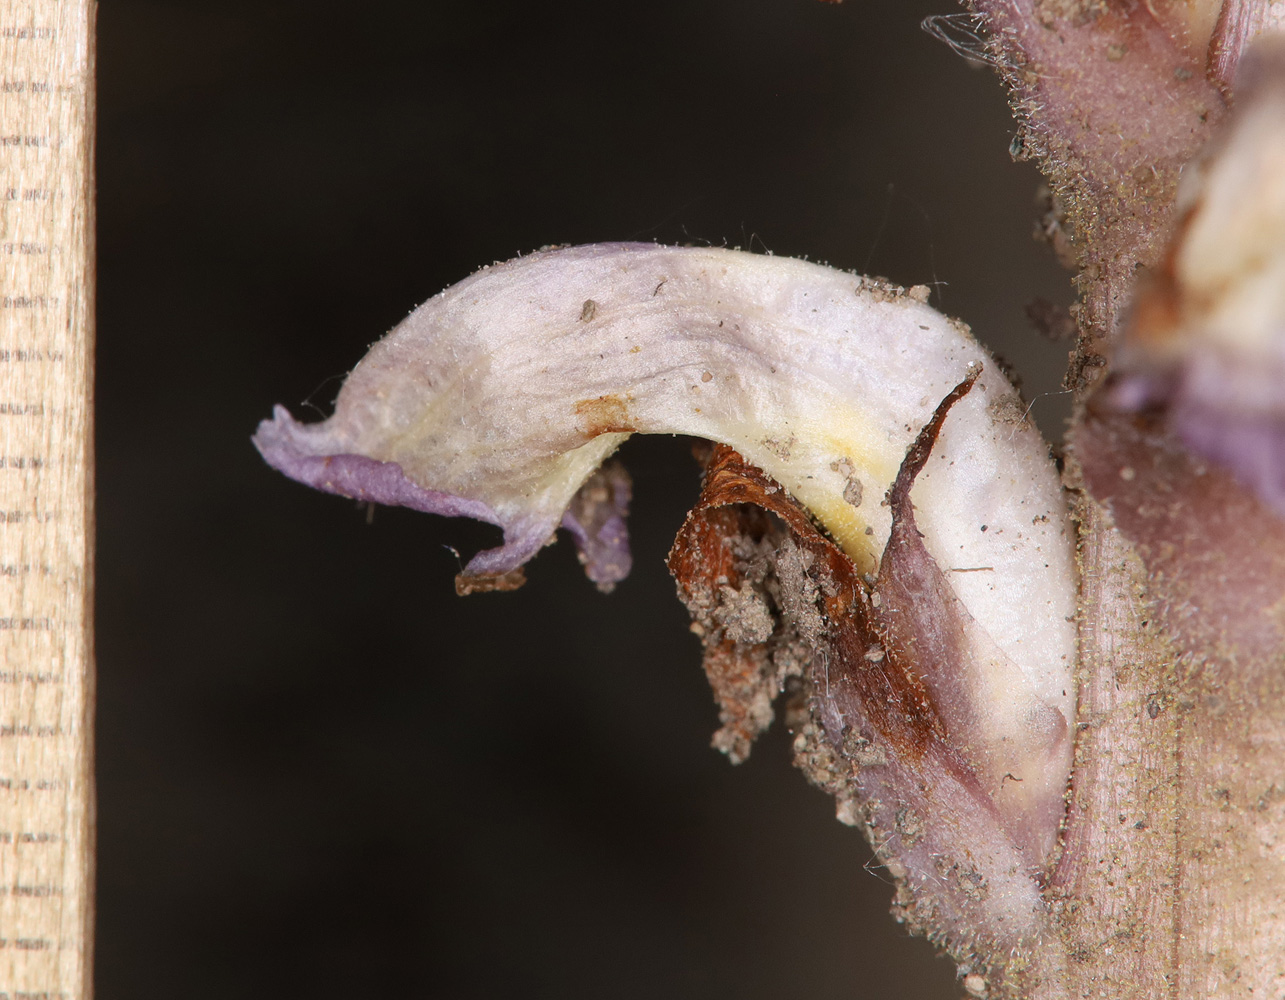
(299, 451)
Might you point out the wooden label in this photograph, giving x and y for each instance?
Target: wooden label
(46, 482)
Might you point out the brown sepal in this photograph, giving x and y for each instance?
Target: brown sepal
(469, 583)
(714, 561)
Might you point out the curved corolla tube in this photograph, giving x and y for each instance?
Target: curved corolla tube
(500, 397)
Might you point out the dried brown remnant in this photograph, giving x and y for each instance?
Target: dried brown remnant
(721, 562)
(721, 550)
(603, 415)
(817, 584)
(866, 670)
(467, 583)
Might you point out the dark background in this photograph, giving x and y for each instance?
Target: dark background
(323, 775)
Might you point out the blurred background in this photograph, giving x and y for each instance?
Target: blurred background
(322, 774)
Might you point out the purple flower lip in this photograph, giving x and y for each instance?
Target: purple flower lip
(299, 451)
(595, 520)
(292, 449)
